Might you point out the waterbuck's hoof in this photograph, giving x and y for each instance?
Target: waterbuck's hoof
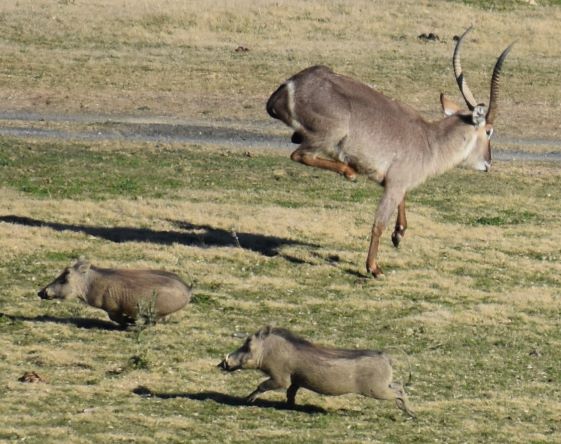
(351, 176)
(375, 271)
(396, 238)
(397, 235)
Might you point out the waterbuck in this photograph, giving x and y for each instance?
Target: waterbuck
(345, 126)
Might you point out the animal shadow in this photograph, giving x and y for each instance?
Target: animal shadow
(229, 400)
(202, 236)
(86, 323)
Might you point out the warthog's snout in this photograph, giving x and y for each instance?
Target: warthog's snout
(43, 294)
(223, 365)
(228, 366)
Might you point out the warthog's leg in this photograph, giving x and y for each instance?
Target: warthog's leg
(291, 394)
(388, 203)
(265, 386)
(121, 319)
(400, 224)
(304, 156)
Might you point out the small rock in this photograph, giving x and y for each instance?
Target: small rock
(30, 377)
(431, 36)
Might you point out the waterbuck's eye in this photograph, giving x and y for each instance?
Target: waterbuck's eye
(489, 132)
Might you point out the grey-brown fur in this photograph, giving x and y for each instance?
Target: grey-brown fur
(345, 126)
(292, 362)
(121, 293)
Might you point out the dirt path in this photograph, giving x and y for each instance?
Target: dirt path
(233, 134)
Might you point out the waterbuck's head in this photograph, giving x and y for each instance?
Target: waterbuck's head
(479, 116)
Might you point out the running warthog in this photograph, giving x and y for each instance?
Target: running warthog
(123, 294)
(292, 362)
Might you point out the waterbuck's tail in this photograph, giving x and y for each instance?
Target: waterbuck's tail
(275, 102)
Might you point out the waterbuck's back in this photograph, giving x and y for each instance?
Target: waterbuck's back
(344, 119)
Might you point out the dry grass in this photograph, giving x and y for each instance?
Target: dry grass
(178, 58)
(472, 297)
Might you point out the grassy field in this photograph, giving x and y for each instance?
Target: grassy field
(472, 296)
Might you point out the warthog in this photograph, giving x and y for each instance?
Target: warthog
(292, 362)
(123, 294)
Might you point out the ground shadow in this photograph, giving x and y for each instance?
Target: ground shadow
(86, 323)
(202, 236)
(229, 400)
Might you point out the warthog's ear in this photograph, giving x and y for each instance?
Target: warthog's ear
(478, 115)
(264, 331)
(449, 107)
(82, 266)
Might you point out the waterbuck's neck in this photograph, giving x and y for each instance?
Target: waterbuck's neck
(451, 141)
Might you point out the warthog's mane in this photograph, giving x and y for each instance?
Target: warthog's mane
(140, 277)
(141, 272)
(322, 351)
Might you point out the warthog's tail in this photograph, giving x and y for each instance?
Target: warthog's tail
(402, 405)
(402, 352)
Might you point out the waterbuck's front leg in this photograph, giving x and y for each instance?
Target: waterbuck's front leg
(389, 201)
(400, 224)
(303, 155)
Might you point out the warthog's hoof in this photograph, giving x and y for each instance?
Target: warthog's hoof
(251, 398)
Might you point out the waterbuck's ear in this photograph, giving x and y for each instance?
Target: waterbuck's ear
(82, 265)
(449, 107)
(478, 115)
(264, 331)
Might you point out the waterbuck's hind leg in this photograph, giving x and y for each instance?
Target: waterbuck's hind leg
(400, 224)
(296, 138)
(305, 156)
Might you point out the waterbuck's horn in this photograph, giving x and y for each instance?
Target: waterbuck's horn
(464, 89)
(493, 100)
